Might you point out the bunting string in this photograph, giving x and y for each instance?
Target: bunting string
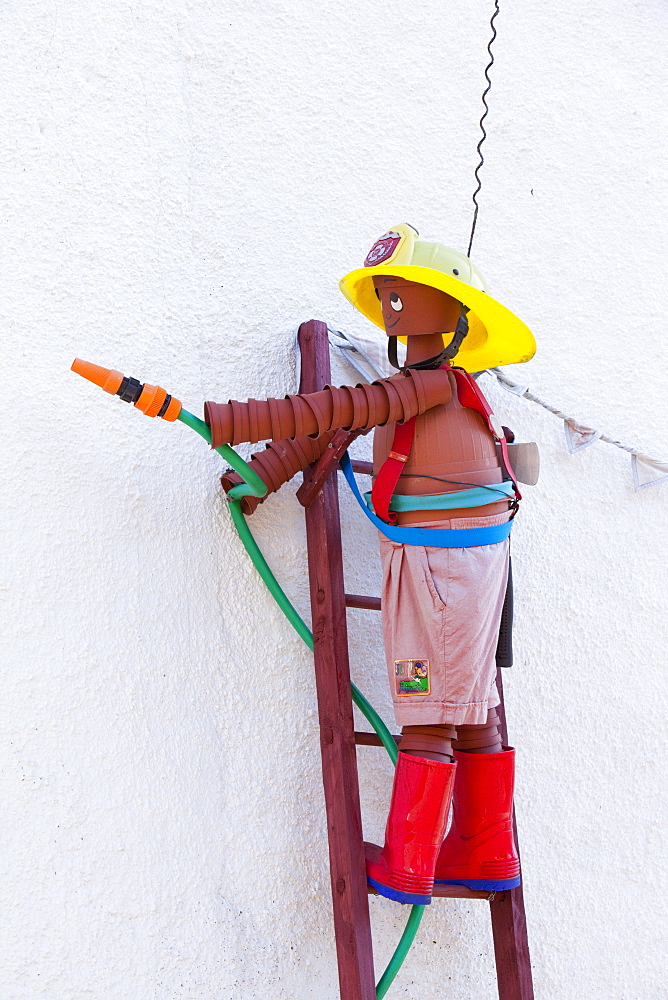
(644, 468)
(646, 471)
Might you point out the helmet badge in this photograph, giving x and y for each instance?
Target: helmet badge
(382, 249)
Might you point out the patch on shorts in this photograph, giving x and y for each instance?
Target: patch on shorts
(412, 677)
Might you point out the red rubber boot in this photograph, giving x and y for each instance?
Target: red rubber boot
(479, 850)
(404, 868)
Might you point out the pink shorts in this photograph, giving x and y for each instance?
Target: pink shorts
(441, 610)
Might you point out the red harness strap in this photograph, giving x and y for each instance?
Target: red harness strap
(469, 395)
(388, 477)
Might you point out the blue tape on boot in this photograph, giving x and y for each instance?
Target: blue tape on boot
(450, 538)
(417, 899)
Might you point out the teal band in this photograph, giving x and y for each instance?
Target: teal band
(479, 496)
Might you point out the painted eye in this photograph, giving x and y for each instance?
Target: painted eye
(377, 294)
(396, 302)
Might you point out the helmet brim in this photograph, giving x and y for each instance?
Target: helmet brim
(496, 335)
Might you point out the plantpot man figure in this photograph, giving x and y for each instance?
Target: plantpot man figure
(444, 496)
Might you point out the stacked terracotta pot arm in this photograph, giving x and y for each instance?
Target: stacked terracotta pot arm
(314, 414)
(277, 463)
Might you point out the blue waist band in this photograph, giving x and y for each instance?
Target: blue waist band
(478, 496)
(452, 538)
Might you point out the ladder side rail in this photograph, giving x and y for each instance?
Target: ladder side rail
(509, 925)
(337, 739)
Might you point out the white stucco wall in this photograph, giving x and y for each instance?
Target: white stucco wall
(182, 184)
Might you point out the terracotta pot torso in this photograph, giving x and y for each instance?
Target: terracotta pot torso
(451, 442)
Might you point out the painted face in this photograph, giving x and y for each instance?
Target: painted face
(411, 309)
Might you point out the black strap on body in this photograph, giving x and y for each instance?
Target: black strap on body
(504, 648)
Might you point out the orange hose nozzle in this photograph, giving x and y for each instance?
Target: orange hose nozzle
(106, 378)
(150, 399)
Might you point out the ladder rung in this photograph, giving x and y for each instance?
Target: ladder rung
(366, 603)
(366, 468)
(461, 892)
(371, 740)
(453, 892)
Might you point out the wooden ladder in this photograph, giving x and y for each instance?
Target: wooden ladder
(338, 739)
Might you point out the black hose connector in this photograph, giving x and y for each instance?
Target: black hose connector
(165, 405)
(130, 390)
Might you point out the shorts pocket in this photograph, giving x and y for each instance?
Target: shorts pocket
(435, 570)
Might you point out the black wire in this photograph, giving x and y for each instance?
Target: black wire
(454, 482)
(482, 127)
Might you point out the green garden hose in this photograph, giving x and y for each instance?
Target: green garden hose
(253, 486)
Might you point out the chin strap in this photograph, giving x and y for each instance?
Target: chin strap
(461, 331)
(446, 356)
(392, 352)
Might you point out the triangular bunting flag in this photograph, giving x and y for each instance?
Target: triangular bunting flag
(579, 437)
(508, 384)
(645, 471)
